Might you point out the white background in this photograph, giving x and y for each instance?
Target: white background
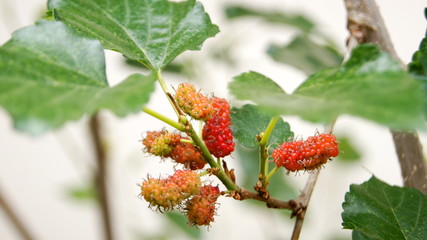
(35, 173)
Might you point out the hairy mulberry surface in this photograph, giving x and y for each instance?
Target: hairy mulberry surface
(172, 191)
(187, 154)
(187, 181)
(289, 156)
(161, 193)
(217, 134)
(309, 154)
(222, 109)
(160, 143)
(201, 208)
(193, 103)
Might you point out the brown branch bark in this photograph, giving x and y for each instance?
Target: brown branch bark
(303, 200)
(14, 218)
(366, 25)
(243, 194)
(101, 176)
(298, 207)
(411, 159)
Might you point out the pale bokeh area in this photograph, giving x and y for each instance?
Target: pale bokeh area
(36, 173)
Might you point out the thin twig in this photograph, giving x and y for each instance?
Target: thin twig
(304, 197)
(16, 221)
(243, 194)
(365, 24)
(298, 207)
(101, 176)
(303, 200)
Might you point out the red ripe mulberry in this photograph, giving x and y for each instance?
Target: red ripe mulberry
(217, 134)
(309, 154)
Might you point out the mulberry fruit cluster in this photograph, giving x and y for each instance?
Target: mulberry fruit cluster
(168, 145)
(306, 155)
(172, 191)
(201, 208)
(183, 190)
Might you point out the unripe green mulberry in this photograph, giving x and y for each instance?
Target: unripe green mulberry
(161, 193)
(160, 143)
(172, 191)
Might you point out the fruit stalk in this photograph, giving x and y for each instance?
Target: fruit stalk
(263, 151)
(164, 119)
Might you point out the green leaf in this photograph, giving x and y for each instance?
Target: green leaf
(248, 122)
(347, 152)
(379, 211)
(306, 55)
(294, 20)
(153, 32)
(179, 220)
(370, 85)
(418, 65)
(50, 75)
(356, 235)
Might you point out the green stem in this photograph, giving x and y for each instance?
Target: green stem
(162, 83)
(163, 118)
(218, 160)
(268, 131)
(263, 151)
(263, 163)
(271, 173)
(203, 173)
(186, 141)
(223, 177)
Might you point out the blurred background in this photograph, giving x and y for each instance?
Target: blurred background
(49, 179)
